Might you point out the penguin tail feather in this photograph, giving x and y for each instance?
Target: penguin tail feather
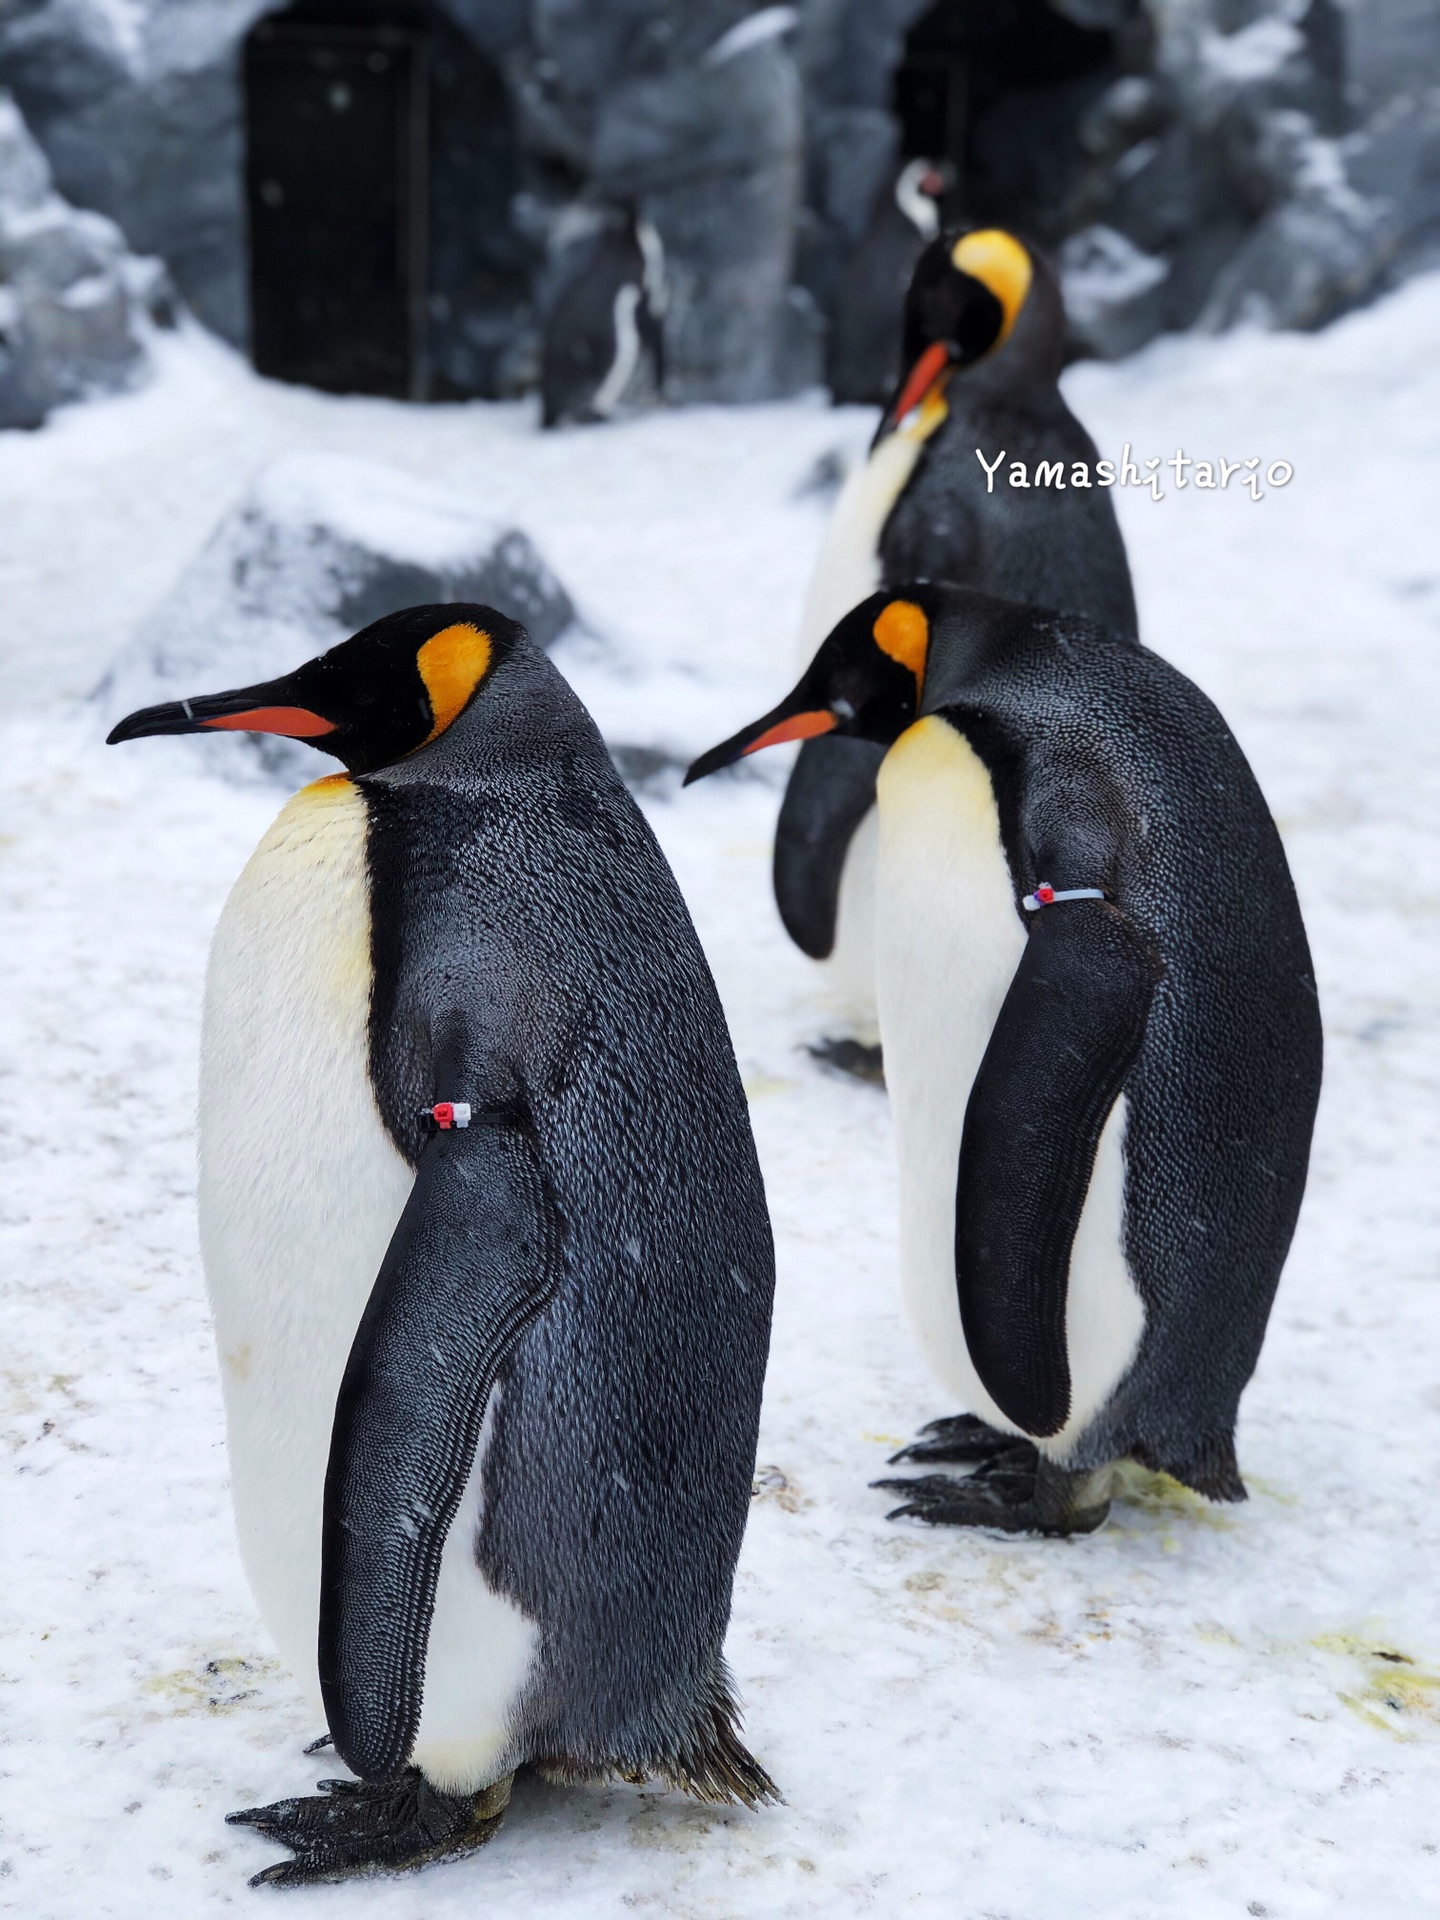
(1209, 1466)
(707, 1760)
(723, 1769)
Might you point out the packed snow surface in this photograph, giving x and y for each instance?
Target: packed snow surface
(1199, 1711)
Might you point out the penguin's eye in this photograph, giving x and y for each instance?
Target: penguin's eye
(842, 709)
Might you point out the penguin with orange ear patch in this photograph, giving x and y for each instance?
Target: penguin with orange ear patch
(1102, 1043)
(487, 1249)
(983, 347)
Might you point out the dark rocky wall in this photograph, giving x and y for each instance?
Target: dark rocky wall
(1192, 162)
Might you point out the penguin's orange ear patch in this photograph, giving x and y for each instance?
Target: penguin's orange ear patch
(452, 664)
(902, 631)
(998, 261)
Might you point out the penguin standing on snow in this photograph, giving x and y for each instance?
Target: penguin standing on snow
(983, 347)
(1102, 1042)
(863, 350)
(487, 1248)
(603, 350)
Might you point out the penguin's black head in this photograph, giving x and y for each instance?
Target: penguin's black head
(965, 296)
(866, 681)
(397, 685)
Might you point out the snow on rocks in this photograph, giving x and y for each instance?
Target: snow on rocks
(322, 544)
(74, 301)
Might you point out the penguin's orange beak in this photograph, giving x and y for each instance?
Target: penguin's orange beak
(778, 726)
(247, 710)
(926, 371)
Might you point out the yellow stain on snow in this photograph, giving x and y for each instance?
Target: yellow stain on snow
(1162, 1498)
(216, 1687)
(757, 1085)
(1396, 1693)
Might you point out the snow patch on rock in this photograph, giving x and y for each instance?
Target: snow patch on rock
(322, 544)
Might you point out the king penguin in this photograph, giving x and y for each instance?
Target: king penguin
(983, 347)
(1102, 1042)
(487, 1248)
(603, 352)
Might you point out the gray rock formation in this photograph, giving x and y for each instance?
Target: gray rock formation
(710, 152)
(1234, 159)
(1114, 293)
(1250, 160)
(321, 545)
(74, 302)
(139, 111)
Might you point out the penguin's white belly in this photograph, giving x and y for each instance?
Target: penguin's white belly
(948, 942)
(847, 572)
(300, 1191)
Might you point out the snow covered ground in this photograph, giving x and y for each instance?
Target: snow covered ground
(1196, 1712)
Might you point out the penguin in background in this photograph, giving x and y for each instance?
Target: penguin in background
(603, 348)
(983, 347)
(1102, 1042)
(487, 1249)
(863, 351)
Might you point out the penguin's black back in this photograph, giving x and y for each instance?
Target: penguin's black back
(521, 907)
(1042, 546)
(1083, 729)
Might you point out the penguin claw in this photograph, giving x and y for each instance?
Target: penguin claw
(355, 1828)
(1005, 1497)
(964, 1438)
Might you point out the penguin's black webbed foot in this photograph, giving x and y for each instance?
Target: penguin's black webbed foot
(852, 1057)
(354, 1828)
(1030, 1498)
(963, 1439)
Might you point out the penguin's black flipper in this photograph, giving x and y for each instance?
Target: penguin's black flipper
(832, 788)
(353, 1829)
(1068, 1033)
(475, 1256)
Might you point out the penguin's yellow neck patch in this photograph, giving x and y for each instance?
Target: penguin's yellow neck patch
(452, 664)
(998, 261)
(902, 631)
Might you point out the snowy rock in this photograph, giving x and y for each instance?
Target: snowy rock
(1113, 292)
(1305, 262)
(322, 545)
(1395, 160)
(138, 108)
(1320, 248)
(73, 300)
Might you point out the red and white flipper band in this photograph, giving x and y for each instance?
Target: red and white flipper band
(448, 1113)
(1046, 896)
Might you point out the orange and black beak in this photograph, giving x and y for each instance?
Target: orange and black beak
(796, 718)
(935, 362)
(261, 709)
(865, 682)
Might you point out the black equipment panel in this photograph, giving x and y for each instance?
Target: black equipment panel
(335, 173)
